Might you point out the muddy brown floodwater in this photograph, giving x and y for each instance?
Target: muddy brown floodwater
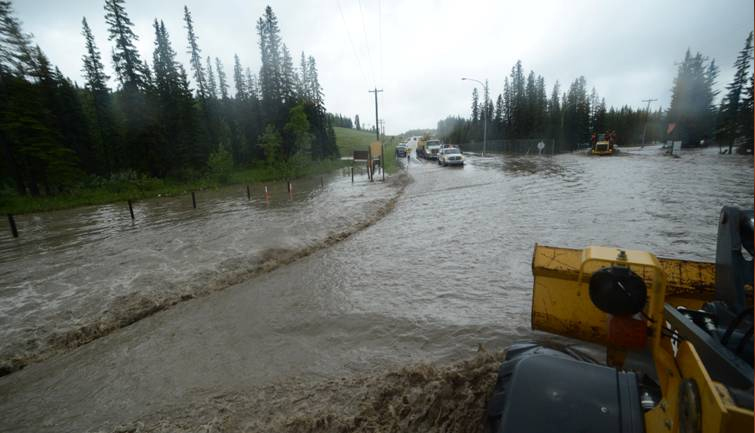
(378, 332)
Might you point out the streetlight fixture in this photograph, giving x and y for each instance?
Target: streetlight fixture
(484, 113)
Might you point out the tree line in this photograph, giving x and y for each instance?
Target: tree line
(341, 121)
(157, 121)
(525, 110)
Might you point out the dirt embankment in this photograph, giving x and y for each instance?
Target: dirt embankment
(416, 398)
(136, 306)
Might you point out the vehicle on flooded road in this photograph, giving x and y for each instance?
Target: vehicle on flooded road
(428, 149)
(450, 156)
(402, 150)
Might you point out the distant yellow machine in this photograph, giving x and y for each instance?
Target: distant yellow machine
(603, 145)
(677, 333)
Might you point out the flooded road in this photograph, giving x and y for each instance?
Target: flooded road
(446, 271)
(77, 274)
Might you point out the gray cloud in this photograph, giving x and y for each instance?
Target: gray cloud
(626, 50)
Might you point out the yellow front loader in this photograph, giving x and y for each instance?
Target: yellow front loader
(677, 336)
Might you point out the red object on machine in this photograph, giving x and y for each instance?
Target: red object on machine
(624, 331)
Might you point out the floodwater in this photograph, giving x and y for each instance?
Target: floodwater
(446, 271)
(77, 274)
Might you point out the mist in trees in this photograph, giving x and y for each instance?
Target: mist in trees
(523, 110)
(161, 119)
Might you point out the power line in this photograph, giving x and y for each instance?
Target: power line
(380, 45)
(380, 37)
(366, 42)
(351, 41)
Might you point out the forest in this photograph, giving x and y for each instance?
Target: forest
(161, 120)
(524, 109)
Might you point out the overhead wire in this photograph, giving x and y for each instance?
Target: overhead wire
(351, 42)
(367, 43)
(380, 57)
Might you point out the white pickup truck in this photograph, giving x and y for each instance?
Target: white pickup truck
(450, 156)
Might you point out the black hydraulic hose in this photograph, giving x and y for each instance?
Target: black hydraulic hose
(744, 340)
(734, 324)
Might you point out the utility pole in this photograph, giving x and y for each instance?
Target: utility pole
(647, 118)
(377, 130)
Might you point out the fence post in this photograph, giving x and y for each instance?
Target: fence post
(193, 200)
(131, 209)
(12, 223)
(352, 174)
(322, 183)
(248, 193)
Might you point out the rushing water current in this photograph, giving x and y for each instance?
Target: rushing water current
(447, 270)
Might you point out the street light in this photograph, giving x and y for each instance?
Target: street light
(484, 113)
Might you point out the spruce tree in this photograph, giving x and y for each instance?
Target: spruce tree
(126, 59)
(476, 106)
(731, 113)
(105, 136)
(554, 114)
(16, 52)
(94, 70)
(196, 55)
(288, 77)
(303, 78)
(692, 100)
(212, 86)
(222, 79)
(239, 79)
(314, 89)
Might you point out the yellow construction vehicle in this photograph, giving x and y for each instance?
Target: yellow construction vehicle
(677, 337)
(602, 144)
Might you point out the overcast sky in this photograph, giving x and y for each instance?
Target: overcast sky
(418, 50)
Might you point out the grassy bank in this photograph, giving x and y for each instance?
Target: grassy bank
(349, 140)
(132, 186)
(101, 191)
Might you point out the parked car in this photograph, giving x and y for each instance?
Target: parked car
(450, 156)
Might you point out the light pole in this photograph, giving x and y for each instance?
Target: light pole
(484, 113)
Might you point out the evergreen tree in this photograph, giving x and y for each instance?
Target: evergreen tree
(212, 85)
(238, 79)
(105, 137)
(126, 60)
(692, 100)
(518, 101)
(731, 117)
(252, 85)
(196, 55)
(94, 70)
(314, 89)
(288, 77)
(476, 116)
(304, 79)
(747, 118)
(498, 117)
(270, 53)
(222, 79)
(16, 53)
(540, 106)
(357, 125)
(506, 104)
(134, 78)
(554, 115)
